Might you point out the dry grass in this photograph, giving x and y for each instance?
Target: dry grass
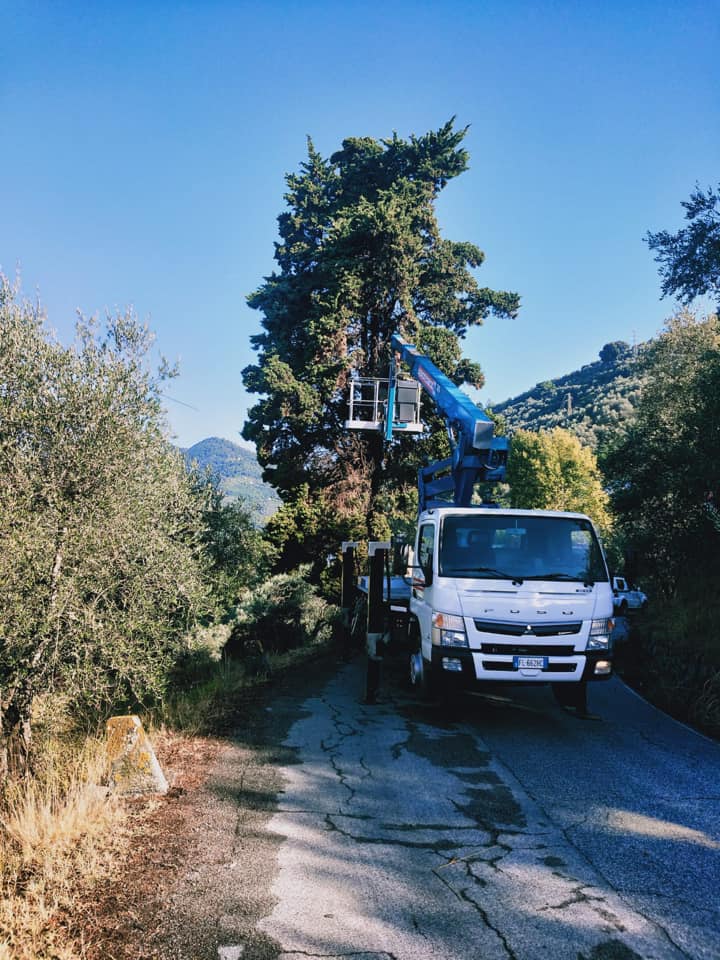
(58, 834)
(62, 837)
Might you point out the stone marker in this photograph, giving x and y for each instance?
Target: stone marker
(134, 766)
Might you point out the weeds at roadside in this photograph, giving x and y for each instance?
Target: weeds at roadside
(62, 834)
(58, 830)
(212, 694)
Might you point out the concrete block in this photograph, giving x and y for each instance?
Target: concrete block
(134, 766)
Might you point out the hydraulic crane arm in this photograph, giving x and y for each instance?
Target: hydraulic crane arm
(476, 454)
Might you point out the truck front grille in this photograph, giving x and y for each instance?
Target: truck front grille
(520, 629)
(525, 650)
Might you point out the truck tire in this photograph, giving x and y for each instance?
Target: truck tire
(422, 677)
(429, 681)
(573, 695)
(623, 609)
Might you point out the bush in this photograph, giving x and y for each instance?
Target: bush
(674, 655)
(280, 614)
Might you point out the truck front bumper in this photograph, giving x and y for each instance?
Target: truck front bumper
(470, 668)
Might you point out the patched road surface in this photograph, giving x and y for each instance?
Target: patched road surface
(513, 830)
(509, 829)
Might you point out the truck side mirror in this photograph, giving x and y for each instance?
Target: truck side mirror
(417, 576)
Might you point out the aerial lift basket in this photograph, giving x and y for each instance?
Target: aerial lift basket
(370, 399)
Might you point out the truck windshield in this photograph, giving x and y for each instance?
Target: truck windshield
(520, 548)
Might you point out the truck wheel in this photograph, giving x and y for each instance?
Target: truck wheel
(429, 686)
(623, 609)
(422, 676)
(573, 695)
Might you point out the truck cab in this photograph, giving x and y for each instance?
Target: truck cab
(512, 596)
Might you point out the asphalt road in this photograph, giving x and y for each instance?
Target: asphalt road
(508, 829)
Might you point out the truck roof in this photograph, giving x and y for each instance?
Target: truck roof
(499, 511)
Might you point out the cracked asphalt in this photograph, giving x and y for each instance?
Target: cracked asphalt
(505, 829)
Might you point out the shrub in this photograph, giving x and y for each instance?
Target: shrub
(280, 614)
(674, 654)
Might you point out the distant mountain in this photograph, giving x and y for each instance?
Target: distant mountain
(593, 402)
(238, 471)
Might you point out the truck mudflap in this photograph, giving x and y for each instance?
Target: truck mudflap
(467, 668)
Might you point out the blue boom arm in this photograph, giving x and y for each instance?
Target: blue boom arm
(475, 453)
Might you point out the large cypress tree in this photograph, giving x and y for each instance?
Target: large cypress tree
(360, 257)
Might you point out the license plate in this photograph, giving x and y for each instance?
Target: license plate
(530, 663)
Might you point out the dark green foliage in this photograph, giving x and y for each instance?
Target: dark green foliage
(596, 403)
(690, 259)
(360, 257)
(280, 614)
(309, 527)
(665, 482)
(666, 471)
(673, 654)
(239, 556)
(237, 474)
(617, 350)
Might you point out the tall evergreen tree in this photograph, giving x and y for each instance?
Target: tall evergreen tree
(360, 257)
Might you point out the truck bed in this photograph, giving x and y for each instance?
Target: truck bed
(399, 590)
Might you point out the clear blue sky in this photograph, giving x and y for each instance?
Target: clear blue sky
(144, 147)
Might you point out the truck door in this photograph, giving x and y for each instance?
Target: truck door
(422, 595)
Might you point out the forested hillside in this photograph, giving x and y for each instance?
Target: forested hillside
(594, 402)
(238, 472)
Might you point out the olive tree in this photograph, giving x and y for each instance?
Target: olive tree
(102, 565)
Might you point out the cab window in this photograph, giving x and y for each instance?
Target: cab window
(426, 545)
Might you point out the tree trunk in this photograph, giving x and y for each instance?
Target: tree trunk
(375, 457)
(16, 703)
(15, 742)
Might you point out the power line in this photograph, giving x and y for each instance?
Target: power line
(181, 402)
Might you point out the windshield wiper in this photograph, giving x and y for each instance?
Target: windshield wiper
(500, 574)
(566, 577)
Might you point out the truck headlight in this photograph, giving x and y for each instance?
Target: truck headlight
(600, 631)
(448, 630)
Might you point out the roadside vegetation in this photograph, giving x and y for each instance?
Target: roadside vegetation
(127, 584)
(665, 486)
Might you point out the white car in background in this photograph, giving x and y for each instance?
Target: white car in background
(627, 597)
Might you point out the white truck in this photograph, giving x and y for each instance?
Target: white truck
(496, 595)
(509, 596)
